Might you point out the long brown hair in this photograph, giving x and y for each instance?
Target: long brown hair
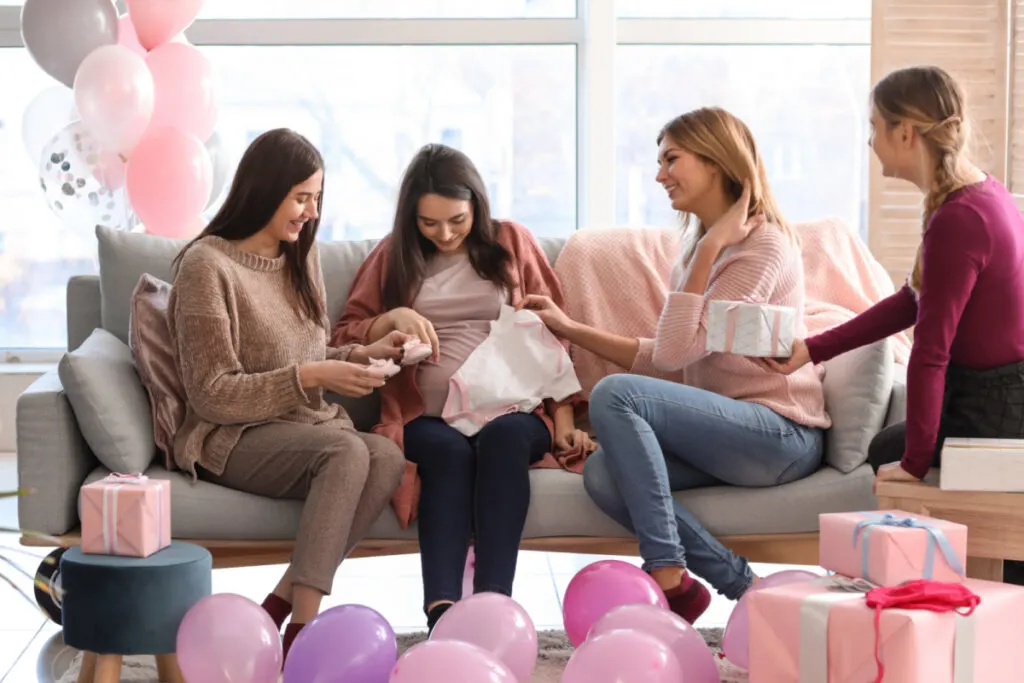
(442, 170)
(274, 163)
(933, 103)
(720, 138)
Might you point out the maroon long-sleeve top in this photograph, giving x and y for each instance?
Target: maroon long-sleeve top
(969, 310)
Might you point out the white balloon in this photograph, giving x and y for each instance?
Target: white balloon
(83, 184)
(49, 111)
(224, 157)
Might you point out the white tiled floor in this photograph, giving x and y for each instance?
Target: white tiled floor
(390, 585)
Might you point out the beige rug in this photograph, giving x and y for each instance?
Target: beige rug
(554, 652)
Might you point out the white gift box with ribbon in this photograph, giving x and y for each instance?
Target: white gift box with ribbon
(749, 329)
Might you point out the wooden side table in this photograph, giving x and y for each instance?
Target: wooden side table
(116, 606)
(994, 521)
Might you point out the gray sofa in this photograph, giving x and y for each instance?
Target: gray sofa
(863, 390)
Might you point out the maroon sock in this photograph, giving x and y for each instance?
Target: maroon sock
(290, 632)
(689, 599)
(278, 608)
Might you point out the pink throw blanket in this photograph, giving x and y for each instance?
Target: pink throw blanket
(617, 280)
(842, 279)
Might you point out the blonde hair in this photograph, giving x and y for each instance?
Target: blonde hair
(717, 137)
(933, 103)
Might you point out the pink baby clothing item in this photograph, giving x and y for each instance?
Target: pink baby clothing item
(514, 369)
(461, 306)
(414, 351)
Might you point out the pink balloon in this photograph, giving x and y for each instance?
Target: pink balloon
(444, 661)
(497, 624)
(468, 573)
(623, 656)
(671, 629)
(736, 639)
(184, 89)
(114, 94)
(169, 178)
(159, 21)
(226, 638)
(599, 587)
(126, 36)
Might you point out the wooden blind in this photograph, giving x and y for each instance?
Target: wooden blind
(1015, 156)
(969, 39)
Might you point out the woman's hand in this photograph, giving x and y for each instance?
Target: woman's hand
(569, 438)
(347, 379)
(799, 356)
(892, 471)
(387, 347)
(735, 224)
(411, 323)
(548, 311)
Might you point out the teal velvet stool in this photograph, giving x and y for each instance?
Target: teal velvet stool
(115, 606)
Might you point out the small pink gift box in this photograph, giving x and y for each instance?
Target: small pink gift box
(888, 547)
(819, 631)
(126, 514)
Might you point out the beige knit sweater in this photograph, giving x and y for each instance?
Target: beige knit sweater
(239, 338)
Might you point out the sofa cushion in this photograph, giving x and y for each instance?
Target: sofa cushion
(109, 402)
(125, 256)
(559, 506)
(857, 386)
(153, 353)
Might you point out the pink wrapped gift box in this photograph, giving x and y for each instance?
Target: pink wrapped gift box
(817, 632)
(126, 515)
(888, 547)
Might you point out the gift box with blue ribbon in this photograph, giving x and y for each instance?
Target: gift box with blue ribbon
(889, 547)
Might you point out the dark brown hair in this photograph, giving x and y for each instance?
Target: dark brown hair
(442, 170)
(274, 163)
(931, 101)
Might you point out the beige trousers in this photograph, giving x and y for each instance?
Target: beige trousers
(346, 478)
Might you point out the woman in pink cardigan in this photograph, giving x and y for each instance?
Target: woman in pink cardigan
(715, 418)
(443, 275)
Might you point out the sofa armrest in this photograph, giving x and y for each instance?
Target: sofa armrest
(53, 458)
(898, 398)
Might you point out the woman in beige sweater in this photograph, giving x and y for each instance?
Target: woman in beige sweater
(249, 326)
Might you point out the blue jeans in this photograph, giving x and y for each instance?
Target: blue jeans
(657, 437)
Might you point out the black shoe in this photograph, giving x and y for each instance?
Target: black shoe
(1013, 572)
(434, 615)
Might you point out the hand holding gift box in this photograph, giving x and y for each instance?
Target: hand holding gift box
(126, 514)
(888, 547)
(747, 329)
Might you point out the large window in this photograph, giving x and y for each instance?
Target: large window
(806, 105)
(510, 108)
(557, 102)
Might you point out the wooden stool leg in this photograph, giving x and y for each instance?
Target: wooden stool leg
(108, 669)
(167, 669)
(88, 670)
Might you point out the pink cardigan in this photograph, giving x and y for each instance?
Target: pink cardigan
(766, 268)
(401, 402)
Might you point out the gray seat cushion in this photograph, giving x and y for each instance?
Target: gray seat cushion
(559, 507)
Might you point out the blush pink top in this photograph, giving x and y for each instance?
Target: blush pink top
(461, 306)
(765, 268)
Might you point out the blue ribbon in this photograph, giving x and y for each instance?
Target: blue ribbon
(935, 539)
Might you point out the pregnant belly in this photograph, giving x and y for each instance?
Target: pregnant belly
(456, 343)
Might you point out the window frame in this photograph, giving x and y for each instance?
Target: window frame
(595, 32)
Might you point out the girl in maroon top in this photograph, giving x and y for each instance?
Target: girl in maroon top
(965, 295)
